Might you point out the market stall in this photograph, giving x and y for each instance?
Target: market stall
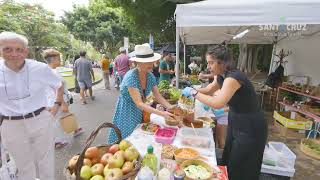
(176, 150)
(281, 23)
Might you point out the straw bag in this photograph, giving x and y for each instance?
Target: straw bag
(69, 123)
(102, 149)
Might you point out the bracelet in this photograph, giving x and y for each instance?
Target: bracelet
(194, 94)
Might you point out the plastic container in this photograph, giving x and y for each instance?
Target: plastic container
(270, 156)
(200, 139)
(276, 170)
(286, 157)
(165, 135)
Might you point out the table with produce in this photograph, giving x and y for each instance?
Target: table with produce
(164, 149)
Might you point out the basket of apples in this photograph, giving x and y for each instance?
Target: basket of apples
(117, 161)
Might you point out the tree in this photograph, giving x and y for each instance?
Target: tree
(37, 24)
(152, 16)
(99, 24)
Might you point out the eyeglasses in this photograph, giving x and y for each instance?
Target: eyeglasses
(11, 50)
(20, 92)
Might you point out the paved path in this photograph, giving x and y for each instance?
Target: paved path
(89, 117)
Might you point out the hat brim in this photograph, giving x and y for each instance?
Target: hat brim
(154, 58)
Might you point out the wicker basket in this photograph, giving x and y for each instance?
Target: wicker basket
(305, 149)
(102, 148)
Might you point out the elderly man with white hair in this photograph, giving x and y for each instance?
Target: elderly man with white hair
(26, 124)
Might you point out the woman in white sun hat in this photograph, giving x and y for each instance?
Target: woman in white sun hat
(136, 85)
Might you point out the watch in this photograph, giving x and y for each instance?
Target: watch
(58, 103)
(193, 92)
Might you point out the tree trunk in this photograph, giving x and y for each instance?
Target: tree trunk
(243, 56)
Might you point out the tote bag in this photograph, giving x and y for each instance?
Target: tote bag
(8, 170)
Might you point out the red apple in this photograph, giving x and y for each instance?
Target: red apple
(131, 154)
(127, 167)
(95, 161)
(92, 152)
(105, 157)
(113, 174)
(97, 169)
(72, 162)
(87, 162)
(114, 148)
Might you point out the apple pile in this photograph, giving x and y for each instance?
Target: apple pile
(111, 165)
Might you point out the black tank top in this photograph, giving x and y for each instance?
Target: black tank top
(245, 99)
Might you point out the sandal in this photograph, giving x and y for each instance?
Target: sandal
(78, 132)
(59, 145)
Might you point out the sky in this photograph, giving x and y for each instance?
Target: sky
(57, 6)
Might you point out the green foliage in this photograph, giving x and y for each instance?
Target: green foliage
(151, 16)
(164, 85)
(174, 94)
(99, 24)
(37, 24)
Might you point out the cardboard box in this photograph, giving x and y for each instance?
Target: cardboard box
(292, 120)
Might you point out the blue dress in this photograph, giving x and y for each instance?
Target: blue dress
(127, 115)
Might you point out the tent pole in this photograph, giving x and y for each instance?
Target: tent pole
(177, 57)
(184, 59)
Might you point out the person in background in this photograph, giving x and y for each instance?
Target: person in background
(27, 127)
(247, 128)
(221, 116)
(155, 70)
(137, 84)
(105, 63)
(111, 67)
(122, 63)
(164, 68)
(193, 66)
(85, 75)
(52, 57)
(206, 75)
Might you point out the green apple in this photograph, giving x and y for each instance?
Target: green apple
(106, 170)
(124, 144)
(116, 161)
(85, 172)
(131, 154)
(97, 177)
(114, 174)
(97, 169)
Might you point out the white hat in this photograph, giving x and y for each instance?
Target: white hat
(122, 49)
(144, 54)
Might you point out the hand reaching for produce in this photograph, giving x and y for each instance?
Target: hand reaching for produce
(172, 107)
(168, 115)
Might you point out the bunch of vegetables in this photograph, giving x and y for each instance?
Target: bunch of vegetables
(312, 145)
(164, 85)
(194, 80)
(167, 92)
(174, 94)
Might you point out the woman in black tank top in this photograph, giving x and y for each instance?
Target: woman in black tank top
(247, 128)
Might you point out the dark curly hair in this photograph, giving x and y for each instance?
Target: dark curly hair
(223, 55)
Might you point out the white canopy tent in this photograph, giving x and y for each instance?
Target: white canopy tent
(269, 21)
